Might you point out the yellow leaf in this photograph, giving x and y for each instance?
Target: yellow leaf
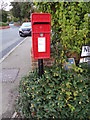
(27, 89)
(68, 93)
(69, 105)
(67, 98)
(80, 80)
(47, 77)
(58, 104)
(32, 96)
(53, 104)
(75, 98)
(59, 98)
(75, 94)
(49, 97)
(24, 83)
(32, 105)
(49, 91)
(85, 35)
(45, 71)
(87, 100)
(32, 88)
(80, 102)
(80, 90)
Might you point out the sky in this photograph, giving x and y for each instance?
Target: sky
(5, 4)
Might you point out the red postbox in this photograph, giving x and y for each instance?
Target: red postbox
(41, 32)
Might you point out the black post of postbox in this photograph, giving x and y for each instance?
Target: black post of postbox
(40, 66)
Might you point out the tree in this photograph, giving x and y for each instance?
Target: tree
(21, 10)
(16, 10)
(25, 10)
(3, 16)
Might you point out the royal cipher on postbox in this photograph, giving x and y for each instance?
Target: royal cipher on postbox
(41, 32)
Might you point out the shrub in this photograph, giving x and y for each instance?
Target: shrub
(15, 19)
(86, 68)
(23, 20)
(58, 94)
(9, 20)
(69, 21)
(3, 24)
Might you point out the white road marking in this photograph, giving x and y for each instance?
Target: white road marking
(14, 115)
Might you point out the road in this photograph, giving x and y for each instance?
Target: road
(9, 39)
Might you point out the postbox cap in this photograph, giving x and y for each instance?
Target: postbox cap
(41, 17)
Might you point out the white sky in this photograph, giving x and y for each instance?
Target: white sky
(6, 4)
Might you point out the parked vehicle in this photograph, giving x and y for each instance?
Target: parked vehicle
(11, 23)
(25, 29)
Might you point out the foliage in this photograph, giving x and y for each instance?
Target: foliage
(9, 20)
(3, 16)
(16, 10)
(25, 10)
(23, 20)
(58, 94)
(21, 10)
(15, 19)
(69, 21)
(86, 73)
(86, 68)
(3, 24)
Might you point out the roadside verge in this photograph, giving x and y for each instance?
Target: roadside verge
(4, 27)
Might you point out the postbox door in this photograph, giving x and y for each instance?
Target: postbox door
(41, 45)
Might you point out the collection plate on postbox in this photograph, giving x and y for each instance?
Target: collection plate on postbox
(41, 32)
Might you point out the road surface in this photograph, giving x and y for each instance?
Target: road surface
(9, 39)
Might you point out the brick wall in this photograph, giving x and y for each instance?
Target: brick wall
(46, 62)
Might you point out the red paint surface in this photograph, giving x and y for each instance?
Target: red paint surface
(41, 23)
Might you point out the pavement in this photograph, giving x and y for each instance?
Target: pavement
(13, 68)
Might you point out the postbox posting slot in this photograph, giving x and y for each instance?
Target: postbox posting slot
(41, 23)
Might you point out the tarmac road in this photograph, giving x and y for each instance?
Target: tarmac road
(9, 39)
